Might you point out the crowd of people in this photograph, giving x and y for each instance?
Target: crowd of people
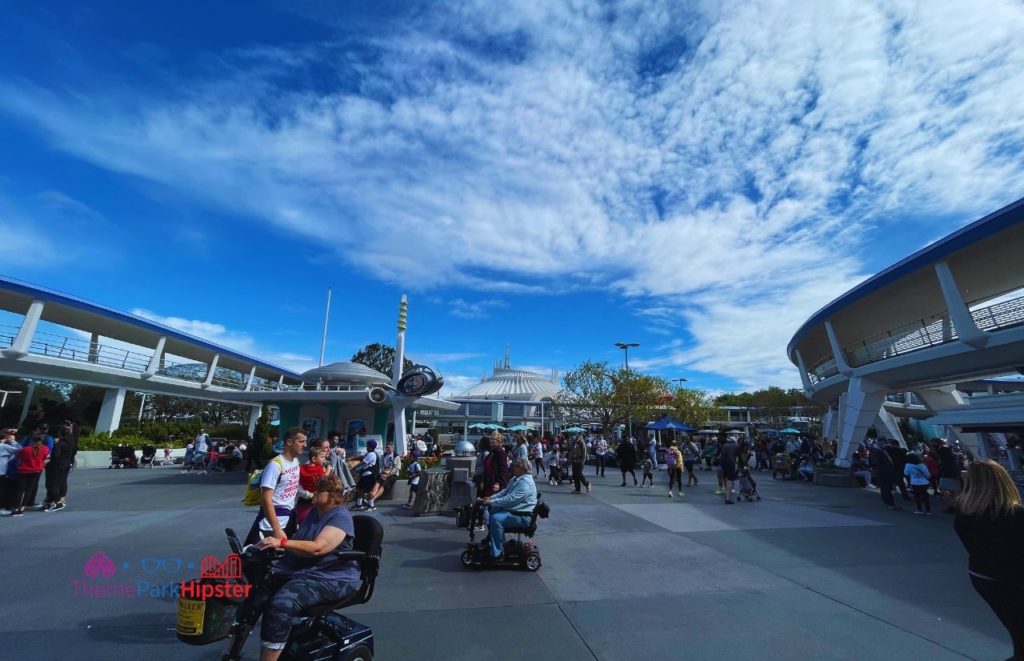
(24, 462)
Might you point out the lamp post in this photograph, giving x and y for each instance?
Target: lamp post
(680, 381)
(625, 346)
(142, 406)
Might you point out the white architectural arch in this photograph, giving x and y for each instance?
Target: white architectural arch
(951, 311)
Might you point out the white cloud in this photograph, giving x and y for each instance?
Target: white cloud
(474, 309)
(442, 358)
(239, 341)
(69, 207)
(456, 383)
(728, 163)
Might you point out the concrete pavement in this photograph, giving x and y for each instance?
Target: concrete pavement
(815, 572)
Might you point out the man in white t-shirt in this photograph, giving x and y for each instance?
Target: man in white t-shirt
(279, 486)
(202, 442)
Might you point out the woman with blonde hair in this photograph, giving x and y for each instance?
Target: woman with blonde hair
(990, 523)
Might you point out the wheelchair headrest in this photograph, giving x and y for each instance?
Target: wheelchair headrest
(369, 534)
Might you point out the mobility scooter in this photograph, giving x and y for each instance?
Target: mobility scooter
(518, 552)
(321, 634)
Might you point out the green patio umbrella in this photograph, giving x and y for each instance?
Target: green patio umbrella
(574, 429)
(789, 431)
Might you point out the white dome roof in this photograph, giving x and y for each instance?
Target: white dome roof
(507, 383)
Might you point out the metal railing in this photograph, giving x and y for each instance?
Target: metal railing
(930, 331)
(927, 332)
(7, 335)
(1001, 315)
(823, 369)
(184, 370)
(319, 387)
(84, 351)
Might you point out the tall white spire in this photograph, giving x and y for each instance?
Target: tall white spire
(507, 363)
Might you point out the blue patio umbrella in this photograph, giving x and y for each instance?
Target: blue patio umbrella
(574, 429)
(789, 431)
(518, 428)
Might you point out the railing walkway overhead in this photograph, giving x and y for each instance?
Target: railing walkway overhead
(930, 331)
(76, 349)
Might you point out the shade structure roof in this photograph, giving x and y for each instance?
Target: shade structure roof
(345, 373)
(669, 423)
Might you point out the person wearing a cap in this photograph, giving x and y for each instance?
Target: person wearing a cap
(368, 469)
(415, 473)
(9, 448)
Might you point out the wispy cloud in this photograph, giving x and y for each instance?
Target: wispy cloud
(474, 309)
(69, 207)
(443, 358)
(232, 339)
(726, 162)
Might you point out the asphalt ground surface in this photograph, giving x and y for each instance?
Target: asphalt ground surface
(809, 572)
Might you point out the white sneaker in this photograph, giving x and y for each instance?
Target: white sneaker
(5, 512)
(669, 494)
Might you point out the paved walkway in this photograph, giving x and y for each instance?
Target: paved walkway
(809, 572)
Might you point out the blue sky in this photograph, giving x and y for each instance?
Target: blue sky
(553, 176)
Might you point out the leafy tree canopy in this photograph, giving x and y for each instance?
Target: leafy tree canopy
(380, 357)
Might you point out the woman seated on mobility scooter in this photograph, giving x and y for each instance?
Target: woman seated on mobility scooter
(309, 573)
(511, 507)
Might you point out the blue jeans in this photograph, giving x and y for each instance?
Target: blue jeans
(498, 522)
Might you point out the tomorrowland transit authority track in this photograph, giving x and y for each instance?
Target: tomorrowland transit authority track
(117, 351)
(951, 311)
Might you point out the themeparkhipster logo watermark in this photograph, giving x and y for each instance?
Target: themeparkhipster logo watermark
(159, 579)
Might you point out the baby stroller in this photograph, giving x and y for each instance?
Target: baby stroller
(148, 456)
(748, 487)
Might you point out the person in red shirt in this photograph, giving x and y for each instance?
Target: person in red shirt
(31, 461)
(309, 475)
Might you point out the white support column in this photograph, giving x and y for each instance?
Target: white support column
(966, 329)
(254, 417)
(110, 412)
(94, 347)
(805, 378)
(887, 422)
(830, 424)
(21, 344)
(248, 382)
(209, 373)
(280, 382)
(29, 394)
(859, 408)
(157, 359)
(837, 351)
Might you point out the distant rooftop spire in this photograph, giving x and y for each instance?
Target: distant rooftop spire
(507, 363)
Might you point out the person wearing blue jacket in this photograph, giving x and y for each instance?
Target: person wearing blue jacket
(512, 506)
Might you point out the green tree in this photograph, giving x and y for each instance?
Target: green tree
(692, 406)
(641, 397)
(596, 394)
(380, 357)
(588, 395)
